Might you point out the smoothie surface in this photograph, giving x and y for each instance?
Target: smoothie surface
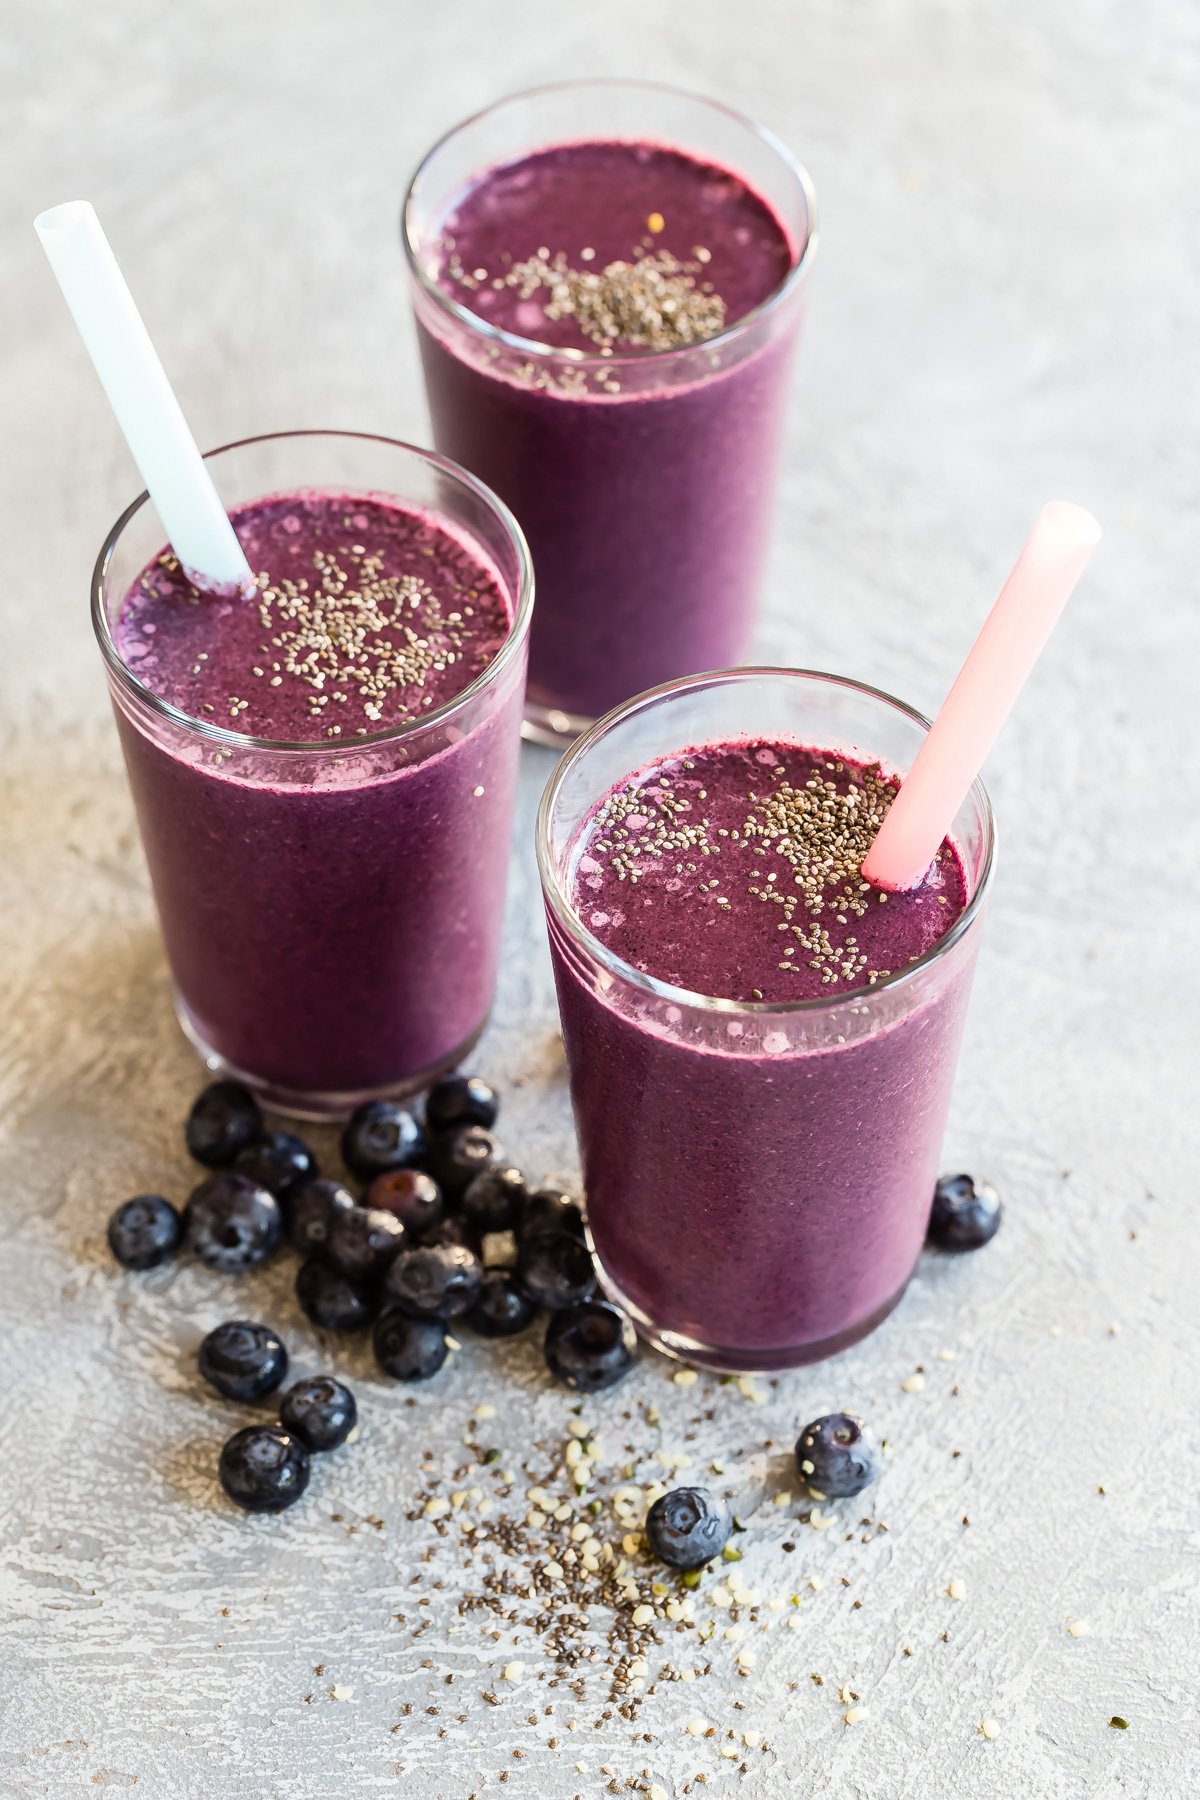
(367, 615)
(612, 246)
(732, 869)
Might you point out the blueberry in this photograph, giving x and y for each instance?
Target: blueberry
(549, 1209)
(555, 1269)
(381, 1135)
(308, 1213)
(362, 1242)
(264, 1468)
(242, 1360)
(837, 1455)
(687, 1527)
(320, 1411)
(332, 1301)
(460, 1100)
(222, 1121)
(144, 1232)
(456, 1157)
(492, 1200)
(455, 1232)
(966, 1213)
(230, 1222)
(409, 1349)
(412, 1196)
(279, 1160)
(503, 1307)
(434, 1281)
(590, 1346)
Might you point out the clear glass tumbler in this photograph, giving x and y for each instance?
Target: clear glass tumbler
(331, 911)
(758, 1175)
(644, 480)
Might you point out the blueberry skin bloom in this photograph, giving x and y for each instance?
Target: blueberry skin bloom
(242, 1360)
(279, 1160)
(320, 1411)
(837, 1455)
(590, 1346)
(264, 1468)
(503, 1307)
(457, 1156)
(308, 1214)
(144, 1232)
(555, 1269)
(492, 1201)
(332, 1301)
(380, 1135)
(460, 1100)
(434, 1281)
(232, 1223)
(409, 1349)
(223, 1120)
(363, 1242)
(687, 1527)
(966, 1213)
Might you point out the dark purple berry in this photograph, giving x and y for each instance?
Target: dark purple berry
(381, 1135)
(434, 1281)
(279, 1160)
(590, 1346)
(320, 1411)
(549, 1209)
(503, 1308)
(837, 1455)
(455, 1232)
(144, 1232)
(457, 1156)
(687, 1527)
(308, 1214)
(965, 1215)
(231, 1223)
(264, 1468)
(409, 1349)
(492, 1201)
(223, 1120)
(555, 1269)
(411, 1196)
(333, 1301)
(363, 1242)
(243, 1360)
(460, 1100)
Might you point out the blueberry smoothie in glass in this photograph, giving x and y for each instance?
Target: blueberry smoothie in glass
(761, 1046)
(324, 772)
(607, 280)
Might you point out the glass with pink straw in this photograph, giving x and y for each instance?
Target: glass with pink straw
(764, 892)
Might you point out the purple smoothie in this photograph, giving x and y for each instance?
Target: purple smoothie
(758, 1181)
(642, 471)
(331, 909)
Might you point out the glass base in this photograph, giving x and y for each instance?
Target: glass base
(301, 1103)
(724, 1359)
(547, 725)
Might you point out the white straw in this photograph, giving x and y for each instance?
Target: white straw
(148, 413)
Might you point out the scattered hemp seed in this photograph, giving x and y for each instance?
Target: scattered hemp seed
(957, 1590)
(1118, 1723)
(990, 1728)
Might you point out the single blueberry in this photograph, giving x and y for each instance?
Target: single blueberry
(503, 1307)
(409, 1349)
(555, 1269)
(412, 1196)
(457, 1156)
(363, 1242)
(231, 1222)
(264, 1468)
(144, 1232)
(492, 1200)
(381, 1135)
(434, 1281)
(279, 1160)
(837, 1455)
(590, 1346)
(454, 1232)
(223, 1120)
(965, 1215)
(332, 1301)
(243, 1360)
(549, 1209)
(460, 1100)
(308, 1213)
(321, 1411)
(687, 1527)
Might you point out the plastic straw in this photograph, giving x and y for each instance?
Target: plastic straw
(147, 411)
(1013, 637)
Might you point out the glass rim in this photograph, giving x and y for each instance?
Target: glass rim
(236, 740)
(533, 347)
(616, 965)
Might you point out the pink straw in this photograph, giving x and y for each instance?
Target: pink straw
(1014, 635)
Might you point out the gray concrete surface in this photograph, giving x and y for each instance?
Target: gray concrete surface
(1004, 310)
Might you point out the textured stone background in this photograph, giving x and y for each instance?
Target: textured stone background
(1004, 309)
